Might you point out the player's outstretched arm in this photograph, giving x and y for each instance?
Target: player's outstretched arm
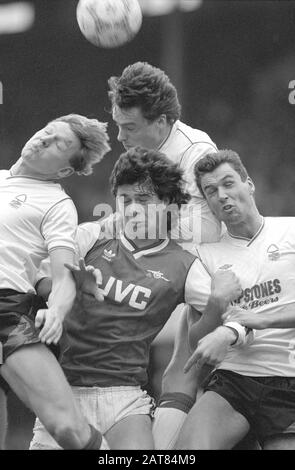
(61, 298)
(212, 348)
(260, 321)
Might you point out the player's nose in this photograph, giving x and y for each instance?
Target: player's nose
(46, 140)
(121, 137)
(134, 209)
(222, 194)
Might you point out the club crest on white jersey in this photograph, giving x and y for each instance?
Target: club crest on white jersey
(273, 252)
(18, 201)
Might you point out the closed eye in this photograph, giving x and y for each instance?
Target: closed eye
(210, 191)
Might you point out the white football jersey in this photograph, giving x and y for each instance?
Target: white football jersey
(35, 217)
(265, 266)
(185, 146)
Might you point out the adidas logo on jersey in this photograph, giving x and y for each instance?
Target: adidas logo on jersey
(18, 201)
(108, 255)
(157, 275)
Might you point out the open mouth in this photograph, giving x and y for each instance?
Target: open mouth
(227, 208)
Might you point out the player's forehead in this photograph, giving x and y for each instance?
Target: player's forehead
(127, 115)
(60, 127)
(221, 173)
(63, 131)
(136, 189)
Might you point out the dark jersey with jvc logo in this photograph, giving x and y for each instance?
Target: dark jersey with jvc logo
(108, 342)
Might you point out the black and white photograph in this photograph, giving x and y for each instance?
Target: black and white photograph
(147, 228)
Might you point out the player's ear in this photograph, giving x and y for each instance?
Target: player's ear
(162, 120)
(251, 185)
(65, 172)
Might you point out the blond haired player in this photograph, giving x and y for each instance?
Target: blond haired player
(38, 218)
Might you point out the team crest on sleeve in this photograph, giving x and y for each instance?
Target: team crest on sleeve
(273, 252)
(156, 275)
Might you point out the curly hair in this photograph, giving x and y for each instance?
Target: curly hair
(94, 141)
(212, 161)
(147, 87)
(139, 165)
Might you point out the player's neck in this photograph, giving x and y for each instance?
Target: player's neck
(142, 243)
(247, 228)
(164, 137)
(20, 168)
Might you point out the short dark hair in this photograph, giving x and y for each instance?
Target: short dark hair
(147, 87)
(139, 165)
(213, 160)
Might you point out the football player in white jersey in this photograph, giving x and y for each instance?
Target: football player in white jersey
(146, 109)
(38, 218)
(252, 386)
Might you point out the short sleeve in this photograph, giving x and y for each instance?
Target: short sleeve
(87, 235)
(191, 156)
(59, 225)
(196, 223)
(197, 286)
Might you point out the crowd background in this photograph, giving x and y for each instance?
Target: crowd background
(233, 63)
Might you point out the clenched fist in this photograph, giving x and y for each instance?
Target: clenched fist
(226, 286)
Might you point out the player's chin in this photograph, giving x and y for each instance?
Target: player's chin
(25, 153)
(128, 147)
(136, 232)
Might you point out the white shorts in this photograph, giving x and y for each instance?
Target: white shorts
(102, 407)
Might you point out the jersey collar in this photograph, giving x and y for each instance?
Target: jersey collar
(248, 241)
(139, 252)
(167, 139)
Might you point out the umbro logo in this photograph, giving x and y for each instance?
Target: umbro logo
(108, 255)
(18, 201)
(273, 252)
(157, 275)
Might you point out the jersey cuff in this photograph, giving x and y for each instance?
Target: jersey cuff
(240, 330)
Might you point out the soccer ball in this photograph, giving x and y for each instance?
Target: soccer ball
(109, 23)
